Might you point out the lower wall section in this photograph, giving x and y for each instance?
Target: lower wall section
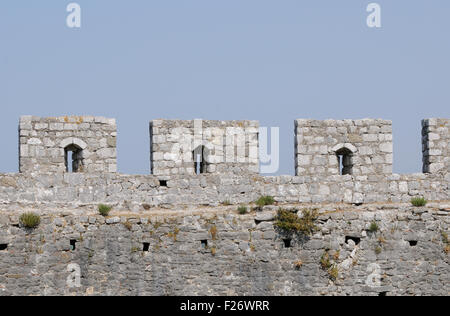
(219, 252)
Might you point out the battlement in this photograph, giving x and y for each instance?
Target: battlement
(436, 145)
(355, 147)
(67, 144)
(188, 147)
(200, 146)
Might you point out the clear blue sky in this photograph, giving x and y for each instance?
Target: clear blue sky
(272, 61)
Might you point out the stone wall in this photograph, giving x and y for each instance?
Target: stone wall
(219, 147)
(210, 189)
(322, 148)
(179, 233)
(365, 146)
(45, 143)
(219, 252)
(436, 145)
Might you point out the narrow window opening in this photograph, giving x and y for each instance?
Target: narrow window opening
(382, 294)
(198, 156)
(287, 243)
(204, 243)
(163, 183)
(356, 240)
(412, 243)
(73, 244)
(73, 158)
(69, 158)
(345, 161)
(145, 247)
(198, 165)
(3, 247)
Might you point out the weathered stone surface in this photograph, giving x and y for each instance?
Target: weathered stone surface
(218, 146)
(212, 252)
(364, 145)
(211, 189)
(44, 150)
(436, 145)
(175, 233)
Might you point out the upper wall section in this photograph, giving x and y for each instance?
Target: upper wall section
(67, 144)
(436, 145)
(199, 146)
(334, 147)
(188, 147)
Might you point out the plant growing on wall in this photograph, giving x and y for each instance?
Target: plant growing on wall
(104, 209)
(333, 272)
(30, 220)
(373, 227)
(265, 200)
(290, 222)
(213, 232)
(418, 201)
(242, 209)
(298, 264)
(446, 242)
(378, 250)
(329, 266)
(128, 225)
(325, 262)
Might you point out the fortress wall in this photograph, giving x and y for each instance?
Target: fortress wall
(45, 143)
(87, 144)
(436, 145)
(365, 146)
(175, 233)
(220, 147)
(223, 253)
(118, 189)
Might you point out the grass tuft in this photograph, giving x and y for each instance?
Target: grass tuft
(265, 200)
(242, 210)
(104, 209)
(418, 201)
(290, 222)
(373, 228)
(30, 220)
(298, 264)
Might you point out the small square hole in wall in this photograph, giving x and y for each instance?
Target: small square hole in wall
(163, 183)
(145, 247)
(382, 294)
(412, 243)
(287, 243)
(73, 244)
(356, 240)
(204, 243)
(3, 247)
